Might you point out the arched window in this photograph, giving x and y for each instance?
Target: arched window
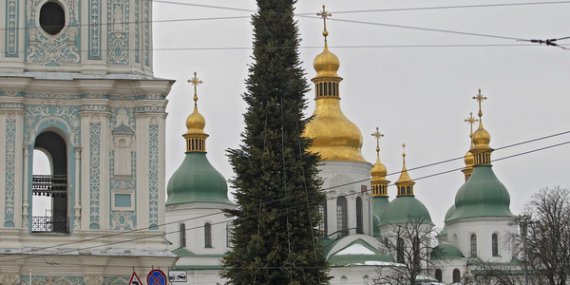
(207, 235)
(49, 187)
(182, 235)
(229, 235)
(359, 216)
(456, 275)
(400, 250)
(495, 244)
(323, 223)
(341, 216)
(473, 245)
(438, 275)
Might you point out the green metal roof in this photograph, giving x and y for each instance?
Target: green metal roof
(446, 252)
(404, 209)
(196, 180)
(379, 205)
(482, 195)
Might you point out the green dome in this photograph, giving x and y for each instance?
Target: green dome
(482, 195)
(379, 205)
(196, 180)
(446, 252)
(404, 209)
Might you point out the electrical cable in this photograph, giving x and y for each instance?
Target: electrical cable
(226, 221)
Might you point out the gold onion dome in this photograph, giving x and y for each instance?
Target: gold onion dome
(468, 159)
(195, 122)
(334, 137)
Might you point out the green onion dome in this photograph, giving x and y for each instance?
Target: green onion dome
(196, 180)
(446, 252)
(482, 195)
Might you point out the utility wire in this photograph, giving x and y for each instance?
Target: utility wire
(299, 205)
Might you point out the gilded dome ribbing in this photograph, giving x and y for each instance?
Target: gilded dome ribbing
(334, 137)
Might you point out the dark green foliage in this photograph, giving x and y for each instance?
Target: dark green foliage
(276, 183)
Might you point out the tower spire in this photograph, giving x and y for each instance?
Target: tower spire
(195, 135)
(468, 158)
(405, 184)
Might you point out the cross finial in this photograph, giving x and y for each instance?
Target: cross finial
(195, 81)
(471, 120)
(325, 15)
(378, 135)
(404, 151)
(480, 99)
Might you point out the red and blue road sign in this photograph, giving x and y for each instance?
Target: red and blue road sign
(156, 277)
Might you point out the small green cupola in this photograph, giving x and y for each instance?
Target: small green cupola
(482, 195)
(196, 180)
(405, 208)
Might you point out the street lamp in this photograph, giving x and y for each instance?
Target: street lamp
(524, 221)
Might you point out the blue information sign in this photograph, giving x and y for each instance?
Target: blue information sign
(156, 277)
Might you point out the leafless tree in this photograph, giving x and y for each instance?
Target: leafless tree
(410, 243)
(548, 236)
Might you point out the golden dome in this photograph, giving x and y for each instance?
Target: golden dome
(378, 170)
(333, 135)
(326, 63)
(481, 138)
(195, 122)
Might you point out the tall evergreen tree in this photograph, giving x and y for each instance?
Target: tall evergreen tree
(275, 240)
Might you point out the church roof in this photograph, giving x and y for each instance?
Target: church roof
(404, 209)
(446, 252)
(196, 180)
(482, 195)
(357, 253)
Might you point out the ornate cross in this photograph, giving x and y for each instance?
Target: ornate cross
(325, 15)
(471, 120)
(378, 135)
(480, 99)
(195, 81)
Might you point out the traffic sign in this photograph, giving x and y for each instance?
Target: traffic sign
(135, 280)
(156, 277)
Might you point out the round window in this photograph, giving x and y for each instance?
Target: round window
(52, 18)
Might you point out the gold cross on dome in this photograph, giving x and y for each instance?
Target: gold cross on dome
(479, 99)
(378, 135)
(195, 81)
(324, 14)
(471, 121)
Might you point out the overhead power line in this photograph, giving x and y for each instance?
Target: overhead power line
(27, 253)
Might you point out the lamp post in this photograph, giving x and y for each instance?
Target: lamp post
(523, 221)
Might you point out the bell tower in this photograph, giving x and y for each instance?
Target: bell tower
(77, 86)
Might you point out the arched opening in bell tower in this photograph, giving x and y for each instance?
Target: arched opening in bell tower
(49, 184)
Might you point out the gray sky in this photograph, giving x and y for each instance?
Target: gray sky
(416, 95)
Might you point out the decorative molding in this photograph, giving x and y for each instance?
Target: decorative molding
(11, 106)
(118, 32)
(150, 109)
(11, 32)
(94, 174)
(94, 29)
(10, 171)
(123, 220)
(153, 161)
(63, 48)
(95, 108)
(68, 115)
(50, 95)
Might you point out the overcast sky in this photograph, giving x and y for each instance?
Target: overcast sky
(416, 94)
